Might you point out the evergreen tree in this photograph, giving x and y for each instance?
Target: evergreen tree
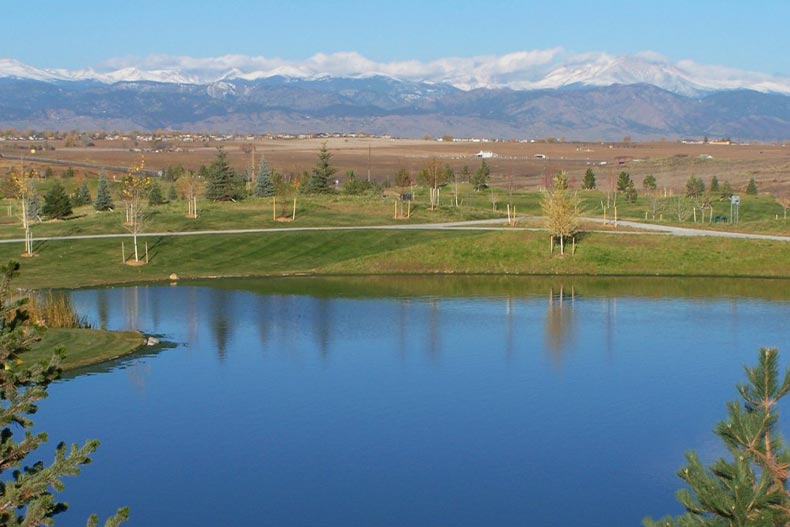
(57, 204)
(649, 183)
(626, 185)
(751, 188)
(588, 183)
(354, 186)
(83, 195)
(28, 485)
(222, 182)
(172, 194)
(751, 488)
(624, 181)
(479, 179)
(466, 174)
(264, 186)
(68, 173)
(320, 181)
(48, 173)
(155, 196)
(695, 187)
(103, 196)
(714, 184)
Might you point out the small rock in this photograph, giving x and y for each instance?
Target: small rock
(151, 341)
(173, 276)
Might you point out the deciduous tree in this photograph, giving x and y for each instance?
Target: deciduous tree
(136, 187)
(432, 176)
(561, 210)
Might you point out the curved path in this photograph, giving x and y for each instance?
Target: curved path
(472, 225)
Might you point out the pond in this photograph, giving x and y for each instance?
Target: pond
(409, 401)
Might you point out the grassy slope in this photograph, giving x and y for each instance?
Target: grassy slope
(84, 347)
(94, 262)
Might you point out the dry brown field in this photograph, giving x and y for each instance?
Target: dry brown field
(516, 163)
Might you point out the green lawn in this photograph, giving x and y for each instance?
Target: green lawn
(96, 262)
(83, 347)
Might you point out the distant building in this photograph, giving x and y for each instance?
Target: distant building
(485, 154)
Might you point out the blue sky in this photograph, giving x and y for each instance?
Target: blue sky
(744, 35)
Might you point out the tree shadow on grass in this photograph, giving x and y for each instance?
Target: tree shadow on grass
(153, 248)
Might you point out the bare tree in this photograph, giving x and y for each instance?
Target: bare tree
(433, 176)
(681, 208)
(190, 184)
(784, 201)
(25, 192)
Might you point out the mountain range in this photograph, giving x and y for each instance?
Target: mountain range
(585, 97)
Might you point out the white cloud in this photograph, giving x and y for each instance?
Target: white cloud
(544, 68)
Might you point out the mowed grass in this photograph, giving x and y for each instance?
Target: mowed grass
(598, 254)
(84, 347)
(97, 262)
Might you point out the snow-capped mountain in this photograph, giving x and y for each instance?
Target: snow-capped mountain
(529, 70)
(526, 94)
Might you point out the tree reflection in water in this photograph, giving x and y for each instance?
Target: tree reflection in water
(560, 322)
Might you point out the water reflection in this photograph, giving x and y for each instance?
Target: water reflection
(560, 322)
(467, 401)
(281, 322)
(220, 323)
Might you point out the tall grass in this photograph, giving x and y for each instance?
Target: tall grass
(54, 310)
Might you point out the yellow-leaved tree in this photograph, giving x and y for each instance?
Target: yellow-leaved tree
(136, 186)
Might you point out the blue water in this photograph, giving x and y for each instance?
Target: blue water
(292, 410)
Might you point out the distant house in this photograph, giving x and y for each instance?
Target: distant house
(485, 154)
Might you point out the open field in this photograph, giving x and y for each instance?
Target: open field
(670, 162)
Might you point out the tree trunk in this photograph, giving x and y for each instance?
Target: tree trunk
(136, 257)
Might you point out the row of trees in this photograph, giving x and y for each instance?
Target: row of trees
(695, 186)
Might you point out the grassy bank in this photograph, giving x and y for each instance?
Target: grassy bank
(96, 262)
(84, 347)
